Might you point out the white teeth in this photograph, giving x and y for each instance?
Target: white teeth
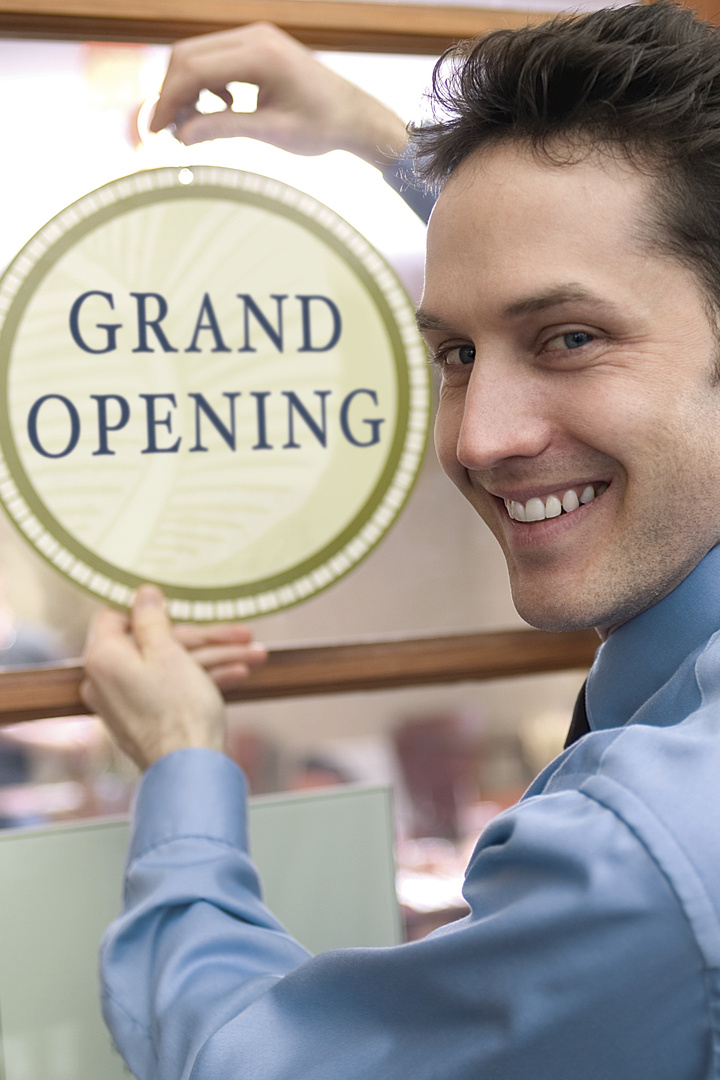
(570, 501)
(536, 509)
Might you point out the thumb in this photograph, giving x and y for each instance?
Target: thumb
(148, 620)
(201, 127)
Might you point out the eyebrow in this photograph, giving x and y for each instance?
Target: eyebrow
(427, 321)
(564, 294)
(529, 305)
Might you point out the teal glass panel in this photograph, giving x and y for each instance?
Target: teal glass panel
(327, 868)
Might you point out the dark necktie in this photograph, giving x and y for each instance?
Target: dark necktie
(579, 725)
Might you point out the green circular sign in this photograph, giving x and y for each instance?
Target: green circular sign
(209, 381)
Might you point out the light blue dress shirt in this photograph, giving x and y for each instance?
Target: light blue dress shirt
(592, 948)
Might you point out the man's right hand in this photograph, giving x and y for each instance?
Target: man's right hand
(302, 106)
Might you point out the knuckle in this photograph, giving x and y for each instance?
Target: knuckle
(182, 49)
(96, 660)
(266, 30)
(184, 60)
(271, 42)
(87, 694)
(90, 657)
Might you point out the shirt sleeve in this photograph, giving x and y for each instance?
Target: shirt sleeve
(576, 959)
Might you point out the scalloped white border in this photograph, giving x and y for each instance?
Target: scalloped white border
(339, 564)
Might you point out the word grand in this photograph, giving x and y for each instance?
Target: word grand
(151, 310)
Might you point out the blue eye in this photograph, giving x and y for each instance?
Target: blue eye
(576, 339)
(454, 356)
(465, 354)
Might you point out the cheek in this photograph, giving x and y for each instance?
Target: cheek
(620, 424)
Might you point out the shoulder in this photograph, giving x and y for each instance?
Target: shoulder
(634, 810)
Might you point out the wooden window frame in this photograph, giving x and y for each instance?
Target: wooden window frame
(380, 664)
(321, 24)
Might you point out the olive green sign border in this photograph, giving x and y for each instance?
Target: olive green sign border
(114, 585)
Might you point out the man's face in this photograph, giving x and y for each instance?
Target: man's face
(577, 384)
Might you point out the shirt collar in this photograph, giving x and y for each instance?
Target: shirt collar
(641, 655)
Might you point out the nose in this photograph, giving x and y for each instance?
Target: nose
(506, 414)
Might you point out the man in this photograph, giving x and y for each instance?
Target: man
(571, 304)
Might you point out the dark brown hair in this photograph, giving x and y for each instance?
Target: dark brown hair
(643, 80)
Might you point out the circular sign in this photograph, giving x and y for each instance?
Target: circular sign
(210, 381)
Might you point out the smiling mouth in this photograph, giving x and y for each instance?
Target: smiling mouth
(552, 506)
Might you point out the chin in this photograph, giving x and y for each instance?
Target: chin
(557, 617)
(557, 622)
(603, 610)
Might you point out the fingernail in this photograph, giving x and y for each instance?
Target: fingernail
(148, 595)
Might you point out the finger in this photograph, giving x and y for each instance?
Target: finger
(217, 655)
(107, 624)
(229, 676)
(91, 694)
(149, 622)
(202, 127)
(194, 635)
(188, 107)
(192, 70)
(224, 94)
(88, 696)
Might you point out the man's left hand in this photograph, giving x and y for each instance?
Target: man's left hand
(155, 686)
